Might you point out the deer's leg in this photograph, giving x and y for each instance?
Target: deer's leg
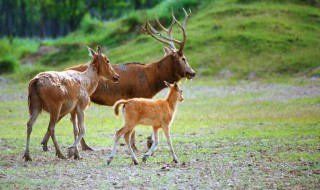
(119, 133)
(32, 119)
(76, 128)
(75, 125)
(156, 142)
(73, 149)
(150, 140)
(133, 140)
(166, 131)
(45, 141)
(127, 137)
(51, 128)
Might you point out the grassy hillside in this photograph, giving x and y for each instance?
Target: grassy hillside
(234, 39)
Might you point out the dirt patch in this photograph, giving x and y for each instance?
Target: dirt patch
(272, 92)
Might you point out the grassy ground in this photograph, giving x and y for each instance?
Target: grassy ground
(227, 134)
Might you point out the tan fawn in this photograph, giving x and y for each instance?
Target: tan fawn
(156, 113)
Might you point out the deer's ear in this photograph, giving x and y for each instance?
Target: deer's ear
(167, 84)
(91, 52)
(99, 50)
(167, 51)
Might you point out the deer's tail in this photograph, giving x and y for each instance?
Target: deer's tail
(117, 105)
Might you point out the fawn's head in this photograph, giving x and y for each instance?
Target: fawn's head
(175, 90)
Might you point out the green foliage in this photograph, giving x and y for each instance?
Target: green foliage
(308, 2)
(89, 24)
(9, 64)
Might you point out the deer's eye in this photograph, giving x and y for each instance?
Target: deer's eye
(183, 59)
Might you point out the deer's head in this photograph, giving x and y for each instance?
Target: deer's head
(102, 65)
(179, 60)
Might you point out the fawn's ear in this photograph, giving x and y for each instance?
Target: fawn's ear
(91, 52)
(167, 84)
(99, 50)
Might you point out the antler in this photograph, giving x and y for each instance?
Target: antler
(149, 30)
(183, 27)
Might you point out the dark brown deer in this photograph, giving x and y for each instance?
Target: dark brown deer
(60, 93)
(142, 80)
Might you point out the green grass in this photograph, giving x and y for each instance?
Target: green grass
(224, 130)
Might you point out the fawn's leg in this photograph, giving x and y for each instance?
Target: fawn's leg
(127, 137)
(154, 144)
(166, 131)
(119, 133)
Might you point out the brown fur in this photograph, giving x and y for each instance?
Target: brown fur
(60, 93)
(141, 111)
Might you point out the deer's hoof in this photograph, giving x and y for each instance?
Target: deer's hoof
(71, 151)
(45, 147)
(86, 147)
(27, 157)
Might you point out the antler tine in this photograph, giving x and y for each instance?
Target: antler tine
(154, 31)
(182, 27)
(162, 27)
(187, 17)
(167, 30)
(146, 30)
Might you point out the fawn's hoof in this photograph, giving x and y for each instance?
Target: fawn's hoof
(109, 161)
(175, 161)
(145, 157)
(135, 162)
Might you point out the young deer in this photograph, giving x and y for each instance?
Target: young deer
(60, 93)
(141, 111)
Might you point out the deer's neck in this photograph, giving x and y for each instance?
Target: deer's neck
(163, 71)
(90, 79)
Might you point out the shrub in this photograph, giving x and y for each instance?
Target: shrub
(9, 64)
(89, 24)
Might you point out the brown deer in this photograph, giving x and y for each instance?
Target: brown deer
(60, 93)
(142, 80)
(142, 111)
